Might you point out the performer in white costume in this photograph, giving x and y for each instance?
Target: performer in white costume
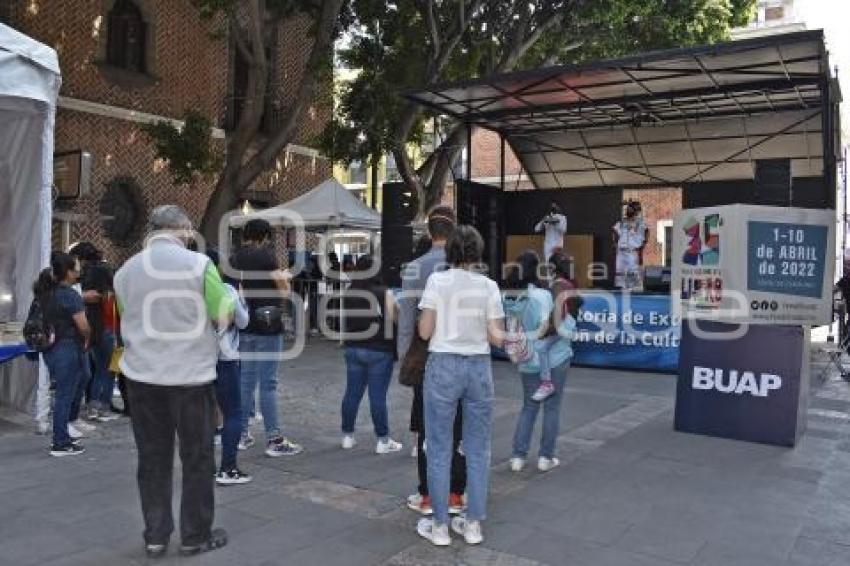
(554, 226)
(630, 235)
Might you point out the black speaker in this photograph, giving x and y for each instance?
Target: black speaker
(656, 278)
(399, 206)
(396, 250)
(773, 182)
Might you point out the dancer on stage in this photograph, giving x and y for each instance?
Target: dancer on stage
(554, 226)
(630, 235)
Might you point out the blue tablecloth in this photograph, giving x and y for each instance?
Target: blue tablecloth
(9, 351)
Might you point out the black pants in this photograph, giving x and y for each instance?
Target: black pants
(417, 424)
(159, 413)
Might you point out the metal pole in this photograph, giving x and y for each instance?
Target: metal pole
(502, 162)
(469, 152)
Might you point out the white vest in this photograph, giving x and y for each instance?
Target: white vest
(168, 335)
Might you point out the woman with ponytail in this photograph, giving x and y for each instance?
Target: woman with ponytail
(461, 317)
(65, 313)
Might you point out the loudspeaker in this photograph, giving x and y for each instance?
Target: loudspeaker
(773, 182)
(396, 250)
(656, 278)
(400, 205)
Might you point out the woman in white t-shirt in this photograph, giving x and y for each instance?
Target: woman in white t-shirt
(461, 317)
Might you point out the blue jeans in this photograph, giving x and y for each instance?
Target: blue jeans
(260, 358)
(450, 378)
(228, 394)
(102, 380)
(551, 413)
(542, 347)
(364, 368)
(69, 368)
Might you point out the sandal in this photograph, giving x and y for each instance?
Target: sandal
(218, 539)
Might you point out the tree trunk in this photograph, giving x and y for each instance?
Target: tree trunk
(375, 162)
(238, 174)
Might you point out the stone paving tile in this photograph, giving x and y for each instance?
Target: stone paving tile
(425, 554)
(630, 490)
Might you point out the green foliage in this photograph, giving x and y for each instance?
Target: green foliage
(391, 46)
(188, 150)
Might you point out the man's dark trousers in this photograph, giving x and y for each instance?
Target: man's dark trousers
(161, 413)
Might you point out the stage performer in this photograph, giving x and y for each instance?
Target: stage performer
(554, 226)
(630, 236)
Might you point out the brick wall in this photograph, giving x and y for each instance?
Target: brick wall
(189, 68)
(658, 204)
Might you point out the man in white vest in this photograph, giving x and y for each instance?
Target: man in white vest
(171, 301)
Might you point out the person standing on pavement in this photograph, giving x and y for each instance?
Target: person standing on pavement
(264, 286)
(96, 285)
(228, 389)
(441, 224)
(64, 312)
(370, 312)
(537, 308)
(171, 302)
(462, 316)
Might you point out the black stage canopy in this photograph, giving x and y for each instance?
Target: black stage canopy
(662, 118)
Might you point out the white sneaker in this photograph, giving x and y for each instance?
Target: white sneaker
(74, 432)
(348, 442)
(546, 464)
(437, 534)
(42, 427)
(387, 445)
(84, 426)
(517, 464)
(469, 530)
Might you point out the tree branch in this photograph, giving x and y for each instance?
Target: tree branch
(426, 8)
(325, 25)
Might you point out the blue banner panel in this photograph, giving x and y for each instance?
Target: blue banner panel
(622, 330)
(786, 258)
(10, 351)
(749, 386)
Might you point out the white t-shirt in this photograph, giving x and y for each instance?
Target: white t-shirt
(464, 303)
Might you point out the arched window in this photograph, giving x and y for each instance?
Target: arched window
(125, 44)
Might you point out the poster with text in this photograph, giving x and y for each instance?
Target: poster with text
(755, 264)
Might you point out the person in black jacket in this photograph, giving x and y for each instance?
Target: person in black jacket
(367, 328)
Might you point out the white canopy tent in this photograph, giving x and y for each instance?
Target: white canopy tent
(328, 206)
(29, 88)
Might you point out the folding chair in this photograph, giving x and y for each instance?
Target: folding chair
(833, 353)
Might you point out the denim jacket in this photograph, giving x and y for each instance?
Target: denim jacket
(534, 307)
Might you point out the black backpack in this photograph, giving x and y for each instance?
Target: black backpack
(38, 333)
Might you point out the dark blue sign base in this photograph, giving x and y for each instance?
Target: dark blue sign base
(752, 388)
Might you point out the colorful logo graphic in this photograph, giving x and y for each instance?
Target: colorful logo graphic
(703, 240)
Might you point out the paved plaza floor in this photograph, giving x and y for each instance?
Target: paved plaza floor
(630, 490)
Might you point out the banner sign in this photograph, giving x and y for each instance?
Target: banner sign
(754, 264)
(752, 385)
(623, 330)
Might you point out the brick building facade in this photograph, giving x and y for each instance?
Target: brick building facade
(172, 61)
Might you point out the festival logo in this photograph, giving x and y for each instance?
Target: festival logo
(702, 241)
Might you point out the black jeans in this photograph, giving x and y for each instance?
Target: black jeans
(160, 412)
(458, 471)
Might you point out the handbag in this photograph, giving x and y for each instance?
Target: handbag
(411, 373)
(267, 319)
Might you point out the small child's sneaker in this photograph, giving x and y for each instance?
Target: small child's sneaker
(546, 389)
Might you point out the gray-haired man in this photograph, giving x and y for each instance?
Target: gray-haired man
(170, 299)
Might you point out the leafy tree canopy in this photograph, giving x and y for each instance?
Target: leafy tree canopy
(402, 45)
